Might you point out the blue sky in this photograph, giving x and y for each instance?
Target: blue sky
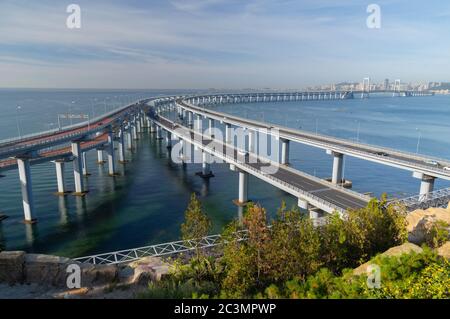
(221, 43)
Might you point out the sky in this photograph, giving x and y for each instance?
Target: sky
(223, 44)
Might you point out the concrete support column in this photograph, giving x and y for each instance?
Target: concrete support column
(59, 165)
(84, 162)
(228, 136)
(77, 168)
(243, 187)
(182, 152)
(134, 130)
(338, 160)
(138, 124)
(27, 191)
(142, 122)
(100, 157)
(129, 138)
(426, 185)
(122, 145)
(158, 132)
(251, 141)
(111, 154)
(198, 123)
(211, 127)
(284, 151)
(153, 127)
(168, 139)
(190, 119)
(206, 166)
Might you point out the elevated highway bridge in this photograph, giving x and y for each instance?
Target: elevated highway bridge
(117, 130)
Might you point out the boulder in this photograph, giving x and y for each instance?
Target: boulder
(420, 222)
(92, 275)
(46, 269)
(444, 250)
(12, 266)
(149, 269)
(406, 248)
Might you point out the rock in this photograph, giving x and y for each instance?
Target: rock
(149, 269)
(444, 250)
(92, 275)
(12, 266)
(46, 269)
(421, 221)
(406, 248)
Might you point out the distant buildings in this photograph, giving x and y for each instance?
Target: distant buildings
(436, 87)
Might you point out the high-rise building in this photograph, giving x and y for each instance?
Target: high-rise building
(386, 84)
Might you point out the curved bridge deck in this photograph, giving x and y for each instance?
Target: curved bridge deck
(317, 192)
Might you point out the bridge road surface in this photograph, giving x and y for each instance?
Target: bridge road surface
(13, 148)
(403, 160)
(11, 163)
(327, 192)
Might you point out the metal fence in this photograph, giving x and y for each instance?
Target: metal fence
(438, 198)
(165, 249)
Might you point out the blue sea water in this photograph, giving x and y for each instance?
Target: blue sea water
(145, 204)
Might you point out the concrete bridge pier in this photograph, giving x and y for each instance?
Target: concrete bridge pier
(27, 191)
(59, 165)
(211, 127)
(206, 166)
(284, 151)
(84, 164)
(129, 138)
(134, 129)
(137, 121)
(100, 157)
(338, 160)
(182, 152)
(152, 127)
(168, 139)
(243, 188)
(198, 123)
(190, 119)
(122, 145)
(252, 141)
(228, 135)
(142, 123)
(426, 185)
(158, 132)
(78, 168)
(314, 212)
(111, 155)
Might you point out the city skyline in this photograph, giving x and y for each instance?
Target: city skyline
(220, 44)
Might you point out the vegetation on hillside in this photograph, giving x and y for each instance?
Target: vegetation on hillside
(292, 258)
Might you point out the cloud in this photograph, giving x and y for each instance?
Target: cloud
(204, 43)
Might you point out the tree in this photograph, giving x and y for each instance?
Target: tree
(196, 224)
(245, 262)
(295, 246)
(361, 234)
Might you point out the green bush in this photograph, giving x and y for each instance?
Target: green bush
(424, 275)
(438, 234)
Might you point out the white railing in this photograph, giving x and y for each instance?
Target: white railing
(438, 198)
(165, 249)
(299, 192)
(329, 142)
(14, 141)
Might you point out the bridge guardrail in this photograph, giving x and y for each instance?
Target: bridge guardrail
(258, 172)
(328, 139)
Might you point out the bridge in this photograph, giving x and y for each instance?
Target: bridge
(121, 127)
